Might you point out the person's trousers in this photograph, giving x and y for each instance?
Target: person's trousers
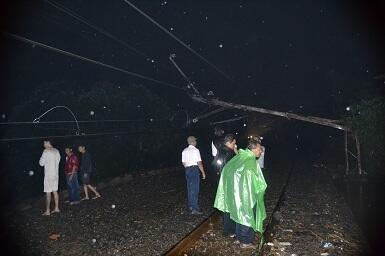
(228, 224)
(244, 234)
(73, 188)
(192, 179)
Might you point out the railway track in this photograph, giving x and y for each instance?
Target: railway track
(196, 241)
(187, 242)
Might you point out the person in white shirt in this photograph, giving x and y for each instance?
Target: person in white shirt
(50, 161)
(261, 159)
(192, 162)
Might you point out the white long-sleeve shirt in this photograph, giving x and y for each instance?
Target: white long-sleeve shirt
(50, 159)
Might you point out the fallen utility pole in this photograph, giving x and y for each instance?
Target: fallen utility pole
(311, 119)
(195, 95)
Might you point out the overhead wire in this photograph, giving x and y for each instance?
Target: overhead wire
(63, 136)
(88, 23)
(73, 55)
(100, 30)
(177, 39)
(85, 121)
(77, 135)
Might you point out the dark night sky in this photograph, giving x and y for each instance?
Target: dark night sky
(301, 56)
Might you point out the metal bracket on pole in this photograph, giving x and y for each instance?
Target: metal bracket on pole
(190, 85)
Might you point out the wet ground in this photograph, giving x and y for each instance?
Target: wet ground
(145, 216)
(314, 219)
(215, 243)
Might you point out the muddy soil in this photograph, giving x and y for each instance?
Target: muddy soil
(215, 243)
(145, 216)
(314, 219)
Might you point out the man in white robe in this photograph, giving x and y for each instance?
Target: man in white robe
(50, 160)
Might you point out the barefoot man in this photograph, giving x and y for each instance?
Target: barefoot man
(50, 160)
(85, 172)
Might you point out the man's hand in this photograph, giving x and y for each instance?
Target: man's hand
(203, 175)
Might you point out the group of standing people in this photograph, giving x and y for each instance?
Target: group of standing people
(50, 160)
(241, 184)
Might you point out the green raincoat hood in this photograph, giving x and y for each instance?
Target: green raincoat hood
(241, 188)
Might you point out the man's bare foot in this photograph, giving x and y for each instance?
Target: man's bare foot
(46, 213)
(55, 211)
(97, 196)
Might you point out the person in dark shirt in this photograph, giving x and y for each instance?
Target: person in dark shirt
(85, 172)
(225, 154)
(227, 151)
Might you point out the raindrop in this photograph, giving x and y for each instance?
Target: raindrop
(138, 106)
(347, 108)
(236, 133)
(92, 113)
(104, 107)
(3, 116)
(171, 29)
(113, 206)
(152, 61)
(261, 138)
(31, 173)
(42, 101)
(93, 240)
(151, 119)
(220, 45)
(244, 124)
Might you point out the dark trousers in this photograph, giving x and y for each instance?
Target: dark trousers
(244, 234)
(228, 224)
(73, 188)
(192, 179)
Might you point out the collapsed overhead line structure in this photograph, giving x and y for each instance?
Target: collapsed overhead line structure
(336, 124)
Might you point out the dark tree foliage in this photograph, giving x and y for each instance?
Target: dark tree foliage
(367, 119)
(153, 136)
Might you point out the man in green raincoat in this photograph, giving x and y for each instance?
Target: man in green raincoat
(241, 192)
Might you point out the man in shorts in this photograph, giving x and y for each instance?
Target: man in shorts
(85, 172)
(50, 160)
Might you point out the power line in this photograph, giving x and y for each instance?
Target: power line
(63, 136)
(228, 120)
(177, 39)
(78, 135)
(100, 30)
(73, 55)
(86, 121)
